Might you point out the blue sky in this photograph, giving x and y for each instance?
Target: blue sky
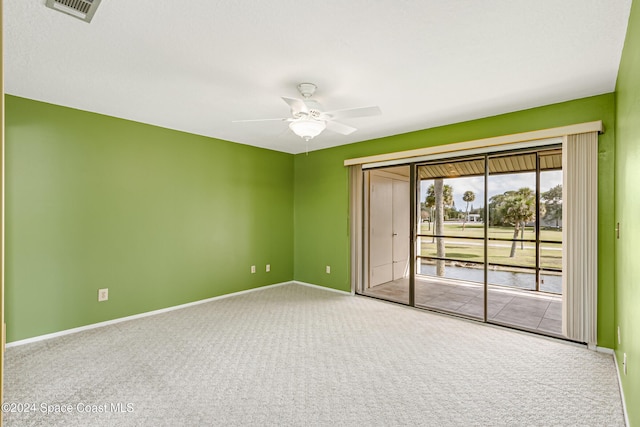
(498, 184)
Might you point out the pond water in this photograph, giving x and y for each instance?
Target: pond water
(519, 279)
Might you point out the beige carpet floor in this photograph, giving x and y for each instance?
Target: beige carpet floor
(299, 356)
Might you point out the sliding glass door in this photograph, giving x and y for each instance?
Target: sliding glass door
(485, 243)
(450, 239)
(387, 219)
(524, 280)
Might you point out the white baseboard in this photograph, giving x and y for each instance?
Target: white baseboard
(324, 288)
(140, 315)
(162, 310)
(610, 351)
(605, 350)
(624, 403)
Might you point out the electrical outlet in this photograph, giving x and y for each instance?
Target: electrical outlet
(328, 269)
(103, 294)
(619, 335)
(253, 269)
(624, 363)
(268, 268)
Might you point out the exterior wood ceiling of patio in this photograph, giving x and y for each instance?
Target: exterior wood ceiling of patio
(512, 163)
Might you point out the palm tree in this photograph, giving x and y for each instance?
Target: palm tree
(518, 208)
(468, 196)
(553, 204)
(439, 196)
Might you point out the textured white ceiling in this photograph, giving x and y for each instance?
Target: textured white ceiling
(197, 65)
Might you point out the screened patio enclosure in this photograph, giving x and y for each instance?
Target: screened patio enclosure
(488, 237)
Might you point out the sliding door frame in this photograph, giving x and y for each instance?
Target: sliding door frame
(413, 210)
(414, 180)
(580, 133)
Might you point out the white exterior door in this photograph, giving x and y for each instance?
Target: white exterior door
(389, 205)
(380, 230)
(401, 206)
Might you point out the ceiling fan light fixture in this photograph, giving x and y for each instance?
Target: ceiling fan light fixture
(309, 119)
(307, 128)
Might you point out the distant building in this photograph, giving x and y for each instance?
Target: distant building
(474, 218)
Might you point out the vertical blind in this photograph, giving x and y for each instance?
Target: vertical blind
(580, 237)
(355, 225)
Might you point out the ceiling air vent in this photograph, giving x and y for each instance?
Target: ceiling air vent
(81, 9)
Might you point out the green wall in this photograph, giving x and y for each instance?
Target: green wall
(627, 213)
(162, 217)
(321, 192)
(159, 217)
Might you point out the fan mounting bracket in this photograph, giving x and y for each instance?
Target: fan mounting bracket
(307, 89)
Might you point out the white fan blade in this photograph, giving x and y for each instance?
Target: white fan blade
(261, 120)
(297, 105)
(340, 128)
(350, 113)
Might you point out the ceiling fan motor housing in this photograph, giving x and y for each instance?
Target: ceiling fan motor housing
(315, 109)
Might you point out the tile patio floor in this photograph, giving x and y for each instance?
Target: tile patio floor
(536, 312)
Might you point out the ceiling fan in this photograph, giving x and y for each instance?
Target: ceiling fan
(309, 119)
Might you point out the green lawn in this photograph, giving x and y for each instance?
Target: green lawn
(473, 250)
(477, 230)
